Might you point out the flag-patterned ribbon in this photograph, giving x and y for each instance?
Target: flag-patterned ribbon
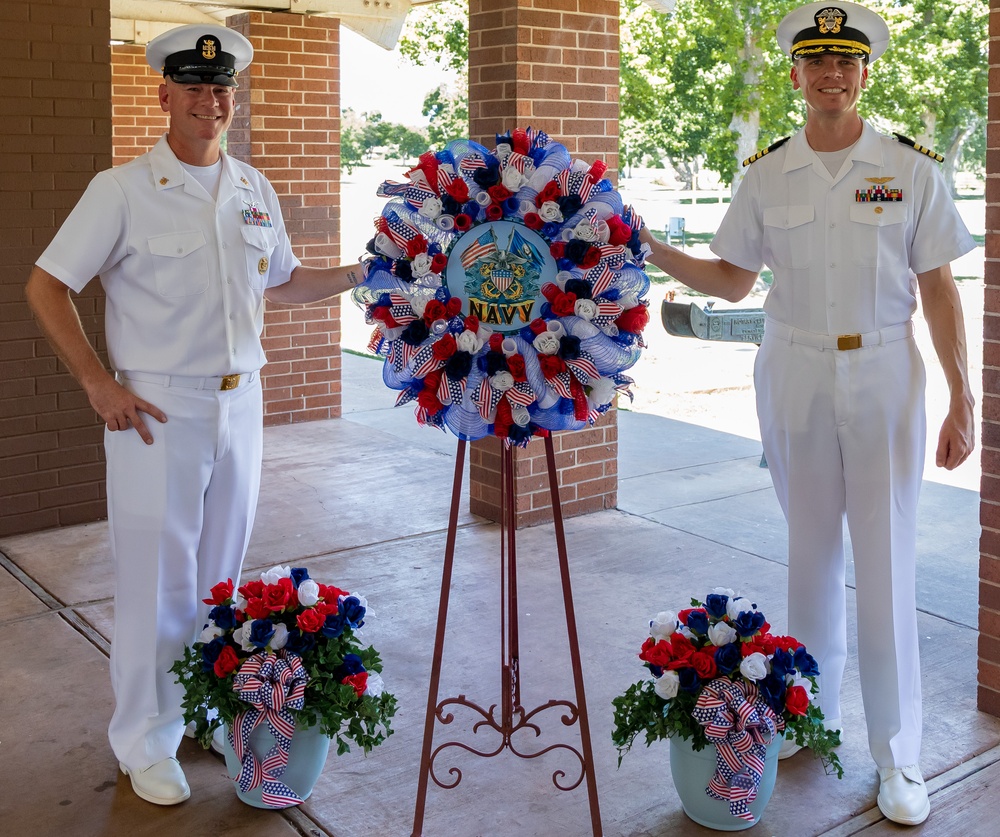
(274, 685)
(741, 725)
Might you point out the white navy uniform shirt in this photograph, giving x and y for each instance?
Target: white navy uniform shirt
(841, 265)
(184, 275)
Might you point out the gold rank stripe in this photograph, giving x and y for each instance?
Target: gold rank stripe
(918, 147)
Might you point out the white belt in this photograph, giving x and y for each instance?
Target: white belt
(842, 342)
(221, 383)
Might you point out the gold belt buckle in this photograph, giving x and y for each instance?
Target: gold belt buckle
(232, 381)
(849, 341)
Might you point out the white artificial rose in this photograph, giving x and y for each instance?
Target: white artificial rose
(421, 264)
(242, 636)
(209, 633)
(501, 381)
(430, 208)
(240, 602)
(754, 667)
(275, 574)
(308, 593)
(668, 685)
(520, 415)
(585, 309)
(584, 231)
(468, 341)
(550, 212)
(280, 637)
(684, 630)
(737, 605)
(601, 391)
(663, 624)
(721, 634)
(546, 343)
(376, 685)
(723, 591)
(512, 179)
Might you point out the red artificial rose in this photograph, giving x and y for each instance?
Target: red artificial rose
(591, 258)
(656, 653)
(438, 262)
(634, 320)
(221, 593)
(519, 141)
(550, 290)
(537, 326)
(496, 341)
(434, 310)
(499, 193)
(226, 663)
(311, 620)
(564, 305)
(681, 650)
(703, 662)
(620, 231)
(550, 192)
(797, 700)
(281, 595)
(515, 365)
(329, 593)
(503, 420)
(787, 643)
(415, 246)
(682, 616)
(252, 589)
(359, 681)
(598, 169)
(429, 401)
(551, 365)
(533, 221)
(257, 609)
(493, 212)
(462, 221)
(459, 190)
(445, 347)
(453, 307)
(471, 323)
(384, 313)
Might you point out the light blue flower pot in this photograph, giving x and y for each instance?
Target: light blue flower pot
(306, 758)
(691, 772)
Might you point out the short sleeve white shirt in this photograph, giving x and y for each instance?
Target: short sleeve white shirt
(184, 275)
(842, 264)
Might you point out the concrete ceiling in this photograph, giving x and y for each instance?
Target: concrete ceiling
(139, 21)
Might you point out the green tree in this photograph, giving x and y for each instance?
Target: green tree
(448, 116)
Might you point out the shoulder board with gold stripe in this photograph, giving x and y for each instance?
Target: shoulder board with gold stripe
(917, 147)
(764, 151)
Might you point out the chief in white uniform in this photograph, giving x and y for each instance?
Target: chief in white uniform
(852, 223)
(188, 243)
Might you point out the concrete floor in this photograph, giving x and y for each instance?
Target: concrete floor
(363, 502)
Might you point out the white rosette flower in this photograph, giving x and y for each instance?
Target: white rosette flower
(280, 637)
(668, 685)
(242, 636)
(211, 631)
(601, 392)
(421, 264)
(501, 381)
(546, 343)
(376, 685)
(512, 179)
(723, 591)
(275, 574)
(550, 212)
(584, 231)
(418, 304)
(585, 309)
(755, 667)
(430, 208)
(663, 624)
(240, 602)
(721, 634)
(737, 605)
(562, 277)
(469, 341)
(520, 415)
(308, 593)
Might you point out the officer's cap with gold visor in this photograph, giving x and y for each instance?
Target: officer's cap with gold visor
(200, 54)
(841, 28)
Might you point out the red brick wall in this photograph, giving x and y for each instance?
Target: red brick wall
(138, 120)
(553, 65)
(288, 126)
(55, 132)
(989, 561)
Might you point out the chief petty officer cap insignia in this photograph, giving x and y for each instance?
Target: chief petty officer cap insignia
(917, 147)
(198, 54)
(764, 151)
(841, 28)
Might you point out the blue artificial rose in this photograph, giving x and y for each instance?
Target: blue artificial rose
(748, 623)
(458, 365)
(805, 663)
(569, 347)
(772, 688)
(450, 206)
(520, 435)
(370, 246)
(488, 175)
(210, 652)
(334, 626)
(569, 204)
(715, 604)
(404, 270)
(576, 250)
(581, 287)
(782, 662)
(511, 206)
(656, 671)
(728, 657)
(697, 621)
(353, 611)
(299, 574)
(415, 333)
(224, 616)
(299, 642)
(550, 231)
(492, 362)
(689, 680)
(261, 631)
(351, 665)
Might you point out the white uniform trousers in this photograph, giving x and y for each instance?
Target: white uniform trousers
(844, 432)
(180, 513)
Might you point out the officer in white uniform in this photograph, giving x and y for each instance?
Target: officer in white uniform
(187, 242)
(851, 223)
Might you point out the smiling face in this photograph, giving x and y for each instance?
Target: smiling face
(831, 84)
(199, 115)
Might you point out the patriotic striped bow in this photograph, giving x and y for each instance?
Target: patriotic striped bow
(273, 684)
(741, 725)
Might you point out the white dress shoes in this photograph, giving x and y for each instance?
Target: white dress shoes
(902, 795)
(162, 783)
(789, 748)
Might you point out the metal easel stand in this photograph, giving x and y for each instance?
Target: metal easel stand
(513, 717)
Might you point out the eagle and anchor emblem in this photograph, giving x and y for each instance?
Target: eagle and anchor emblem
(498, 269)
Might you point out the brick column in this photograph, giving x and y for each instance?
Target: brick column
(55, 132)
(288, 127)
(989, 559)
(553, 65)
(138, 120)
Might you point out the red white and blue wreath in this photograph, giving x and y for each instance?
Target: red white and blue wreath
(507, 289)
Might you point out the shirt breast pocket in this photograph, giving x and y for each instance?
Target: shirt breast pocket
(875, 227)
(180, 263)
(786, 234)
(260, 243)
